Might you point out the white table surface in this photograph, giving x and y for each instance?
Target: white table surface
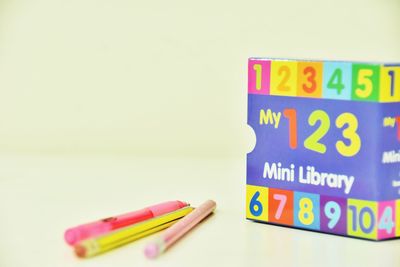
(40, 196)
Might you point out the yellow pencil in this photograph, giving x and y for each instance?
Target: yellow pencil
(94, 246)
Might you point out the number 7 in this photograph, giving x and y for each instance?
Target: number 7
(282, 202)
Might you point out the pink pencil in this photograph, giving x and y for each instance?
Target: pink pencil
(84, 231)
(172, 234)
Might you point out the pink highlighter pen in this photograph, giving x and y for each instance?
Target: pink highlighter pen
(84, 231)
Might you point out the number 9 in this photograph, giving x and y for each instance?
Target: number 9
(333, 212)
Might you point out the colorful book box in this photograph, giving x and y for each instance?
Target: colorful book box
(327, 152)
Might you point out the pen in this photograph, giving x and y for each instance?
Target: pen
(88, 230)
(172, 234)
(106, 242)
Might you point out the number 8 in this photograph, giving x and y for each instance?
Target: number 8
(306, 215)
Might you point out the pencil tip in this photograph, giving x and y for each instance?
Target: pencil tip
(80, 251)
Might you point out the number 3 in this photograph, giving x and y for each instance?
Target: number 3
(310, 71)
(348, 133)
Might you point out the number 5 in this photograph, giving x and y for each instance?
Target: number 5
(364, 82)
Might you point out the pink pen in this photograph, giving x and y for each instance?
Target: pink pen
(176, 231)
(84, 231)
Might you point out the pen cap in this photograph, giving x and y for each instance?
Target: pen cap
(76, 234)
(167, 207)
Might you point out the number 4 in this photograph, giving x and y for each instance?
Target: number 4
(386, 221)
(336, 82)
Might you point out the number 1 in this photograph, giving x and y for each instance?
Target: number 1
(391, 74)
(291, 115)
(257, 68)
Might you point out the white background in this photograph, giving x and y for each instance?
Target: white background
(162, 77)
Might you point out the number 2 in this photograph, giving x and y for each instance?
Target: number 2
(285, 72)
(312, 142)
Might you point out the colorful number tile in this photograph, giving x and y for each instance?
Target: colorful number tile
(365, 82)
(281, 206)
(397, 212)
(333, 215)
(361, 218)
(306, 210)
(283, 78)
(257, 203)
(386, 219)
(259, 76)
(389, 84)
(309, 76)
(337, 81)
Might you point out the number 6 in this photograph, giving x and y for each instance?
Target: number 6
(254, 202)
